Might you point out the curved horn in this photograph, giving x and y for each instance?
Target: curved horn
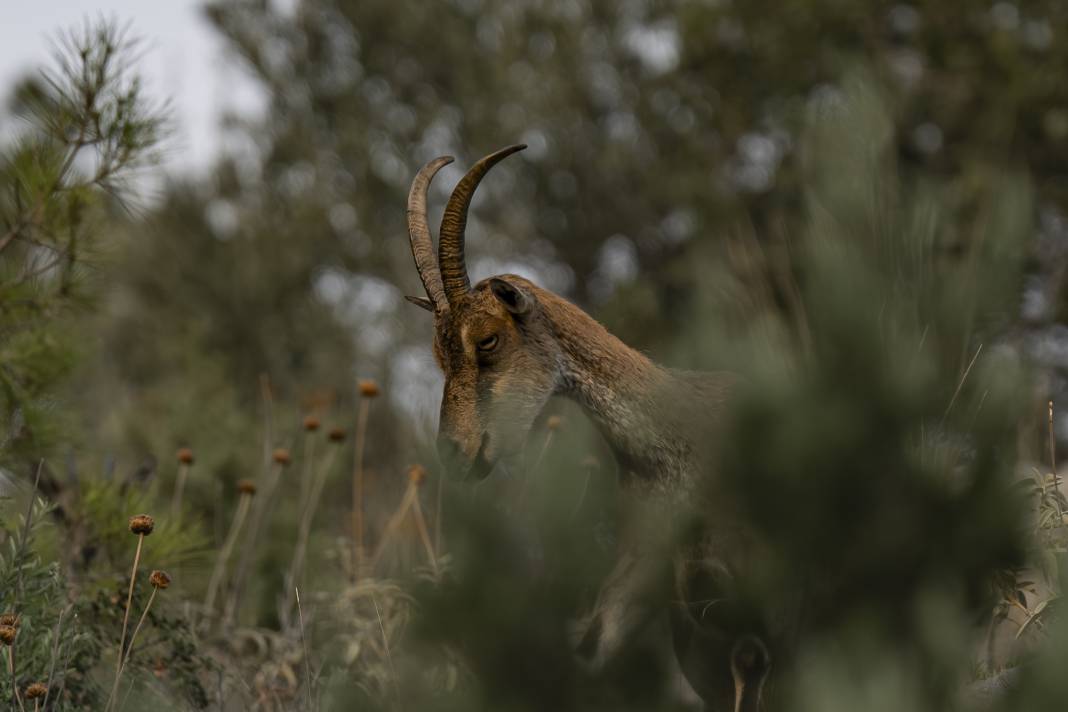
(451, 263)
(419, 233)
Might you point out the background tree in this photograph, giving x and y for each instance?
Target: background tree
(658, 130)
(82, 129)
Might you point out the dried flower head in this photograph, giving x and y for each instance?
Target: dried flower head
(7, 634)
(336, 435)
(417, 474)
(142, 524)
(553, 422)
(185, 456)
(281, 456)
(246, 487)
(159, 579)
(311, 423)
(36, 690)
(11, 619)
(368, 388)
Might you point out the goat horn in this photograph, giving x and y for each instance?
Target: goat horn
(422, 242)
(451, 263)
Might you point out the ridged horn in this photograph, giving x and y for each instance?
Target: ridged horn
(419, 233)
(451, 263)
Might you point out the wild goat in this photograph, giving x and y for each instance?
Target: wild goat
(506, 346)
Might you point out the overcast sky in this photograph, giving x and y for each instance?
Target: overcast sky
(184, 61)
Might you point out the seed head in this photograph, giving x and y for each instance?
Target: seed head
(7, 634)
(246, 487)
(37, 689)
(336, 435)
(368, 388)
(281, 456)
(553, 422)
(142, 524)
(311, 423)
(11, 619)
(159, 579)
(417, 474)
(185, 456)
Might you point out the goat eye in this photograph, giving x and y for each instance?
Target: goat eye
(488, 344)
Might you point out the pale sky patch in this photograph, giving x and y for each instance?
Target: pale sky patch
(183, 61)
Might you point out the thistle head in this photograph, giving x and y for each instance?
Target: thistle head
(185, 456)
(36, 691)
(368, 388)
(281, 456)
(311, 423)
(417, 474)
(336, 435)
(7, 634)
(159, 579)
(553, 422)
(10, 619)
(246, 487)
(142, 524)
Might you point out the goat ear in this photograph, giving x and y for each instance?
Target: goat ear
(421, 302)
(515, 299)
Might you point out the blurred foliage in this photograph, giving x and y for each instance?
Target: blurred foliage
(861, 207)
(877, 469)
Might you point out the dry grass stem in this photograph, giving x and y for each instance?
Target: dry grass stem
(129, 597)
(394, 523)
(223, 559)
(1053, 465)
(424, 535)
(385, 643)
(437, 513)
(14, 682)
(296, 567)
(129, 651)
(357, 487)
(304, 646)
(66, 659)
(307, 470)
(56, 637)
(960, 384)
(272, 470)
(142, 528)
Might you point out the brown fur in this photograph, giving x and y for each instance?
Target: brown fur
(651, 416)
